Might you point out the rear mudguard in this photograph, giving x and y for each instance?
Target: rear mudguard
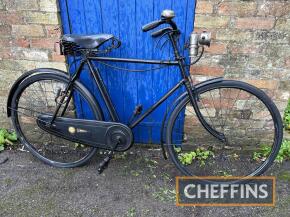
(177, 100)
(22, 78)
(49, 71)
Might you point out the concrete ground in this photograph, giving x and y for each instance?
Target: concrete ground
(138, 183)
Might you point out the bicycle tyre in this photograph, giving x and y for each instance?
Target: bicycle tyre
(274, 112)
(62, 78)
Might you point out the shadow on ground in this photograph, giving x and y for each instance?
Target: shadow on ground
(137, 183)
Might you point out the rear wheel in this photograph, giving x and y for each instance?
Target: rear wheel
(245, 115)
(40, 94)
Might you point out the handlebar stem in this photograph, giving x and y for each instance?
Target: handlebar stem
(178, 57)
(172, 24)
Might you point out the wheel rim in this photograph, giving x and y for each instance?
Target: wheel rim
(39, 95)
(243, 163)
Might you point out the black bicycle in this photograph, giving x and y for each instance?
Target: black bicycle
(213, 128)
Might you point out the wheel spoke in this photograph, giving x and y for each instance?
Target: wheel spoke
(39, 97)
(245, 120)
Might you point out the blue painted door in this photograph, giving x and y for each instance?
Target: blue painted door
(124, 19)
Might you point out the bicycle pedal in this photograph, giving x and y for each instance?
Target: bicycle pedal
(104, 164)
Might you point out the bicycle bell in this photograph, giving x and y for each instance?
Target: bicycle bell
(167, 14)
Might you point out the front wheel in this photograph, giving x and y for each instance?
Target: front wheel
(247, 118)
(41, 94)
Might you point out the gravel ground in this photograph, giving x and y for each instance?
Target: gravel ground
(138, 183)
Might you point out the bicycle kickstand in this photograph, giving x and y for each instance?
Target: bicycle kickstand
(105, 162)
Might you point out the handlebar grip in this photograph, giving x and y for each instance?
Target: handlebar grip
(160, 32)
(152, 25)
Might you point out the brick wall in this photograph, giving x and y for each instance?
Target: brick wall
(250, 42)
(28, 32)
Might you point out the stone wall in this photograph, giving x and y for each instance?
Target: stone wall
(28, 32)
(250, 42)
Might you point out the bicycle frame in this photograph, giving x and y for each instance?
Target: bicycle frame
(179, 61)
(108, 100)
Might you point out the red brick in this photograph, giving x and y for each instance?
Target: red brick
(57, 48)
(18, 42)
(217, 48)
(265, 84)
(204, 7)
(204, 21)
(207, 70)
(55, 57)
(22, 42)
(11, 17)
(255, 23)
(237, 8)
(53, 31)
(48, 43)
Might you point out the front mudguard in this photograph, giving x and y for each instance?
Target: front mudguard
(178, 99)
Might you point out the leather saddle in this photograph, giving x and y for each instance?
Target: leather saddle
(87, 41)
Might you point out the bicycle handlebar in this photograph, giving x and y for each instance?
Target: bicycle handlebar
(152, 25)
(160, 32)
(166, 18)
(157, 23)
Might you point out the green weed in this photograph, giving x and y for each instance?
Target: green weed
(7, 138)
(286, 117)
(263, 153)
(200, 155)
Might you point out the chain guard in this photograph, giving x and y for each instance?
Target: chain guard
(99, 134)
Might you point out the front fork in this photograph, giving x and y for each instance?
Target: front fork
(194, 98)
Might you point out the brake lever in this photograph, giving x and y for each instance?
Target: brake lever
(164, 43)
(166, 40)
(159, 40)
